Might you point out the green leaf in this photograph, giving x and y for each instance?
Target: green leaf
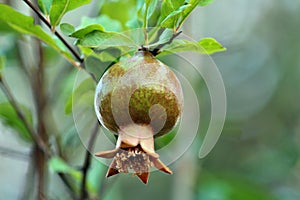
(171, 20)
(4, 27)
(25, 25)
(81, 33)
(210, 45)
(205, 2)
(167, 7)
(186, 12)
(124, 11)
(58, 165)
(106, 56)
(101, 40)
(10, 118)
(134, 23)
(180, 10)
(67, 29)
(152, 4)
(105, 21)
(45, 6)
(204, 46)
(60, 7)
(179, 45)
(147, 10)
(95, 39)
(86, 50)
(68, 106)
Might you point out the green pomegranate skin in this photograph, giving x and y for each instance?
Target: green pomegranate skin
(145, 88)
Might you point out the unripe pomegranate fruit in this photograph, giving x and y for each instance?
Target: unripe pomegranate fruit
(138, 99)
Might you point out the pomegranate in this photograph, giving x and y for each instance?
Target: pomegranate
(138, 99)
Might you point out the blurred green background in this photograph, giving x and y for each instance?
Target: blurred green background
(257, 155)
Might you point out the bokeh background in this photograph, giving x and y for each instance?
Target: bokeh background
(257, 155)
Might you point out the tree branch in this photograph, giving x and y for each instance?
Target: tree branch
(87, 162)
(38, 87)
(47, 23)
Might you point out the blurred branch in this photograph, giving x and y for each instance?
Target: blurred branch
(87, 162)
(41, 152)
(40, 103)
(36, 138)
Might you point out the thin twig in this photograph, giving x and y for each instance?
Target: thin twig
(87, 161)
(157, 49)
(45, 21)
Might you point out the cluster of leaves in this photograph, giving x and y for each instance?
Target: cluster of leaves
(126, 30)
(106, 30)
